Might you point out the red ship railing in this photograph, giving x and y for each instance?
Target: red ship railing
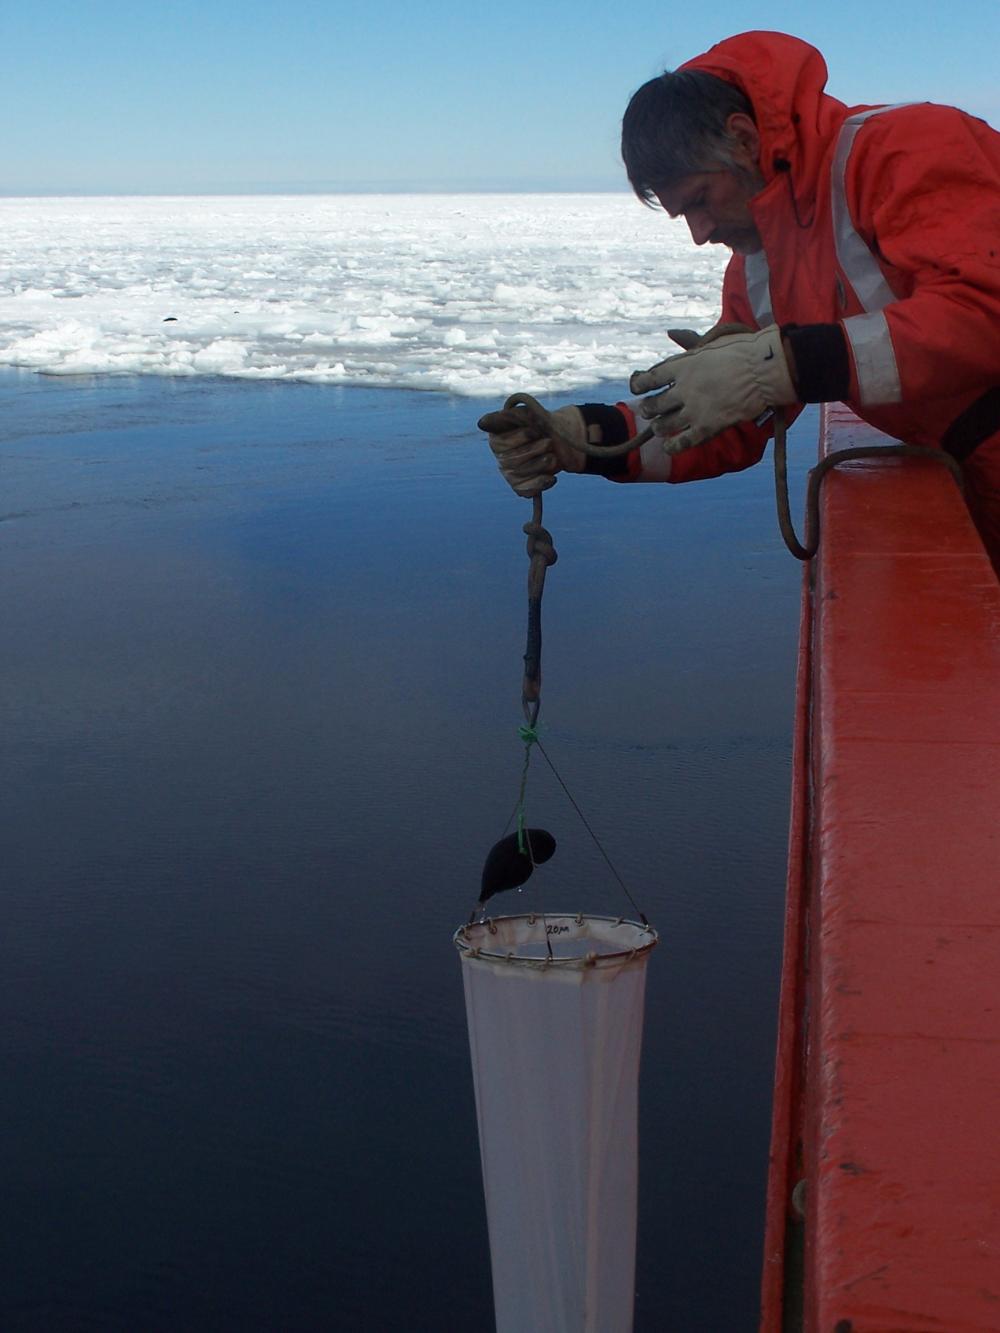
(884, 1191)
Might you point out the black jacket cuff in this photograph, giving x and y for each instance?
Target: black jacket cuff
(822, 362)
(614, 430)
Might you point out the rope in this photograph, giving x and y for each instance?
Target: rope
(597, 841)
(530, 737)
(540, 541)
(806, 550)
(545, 419)
(542, 553)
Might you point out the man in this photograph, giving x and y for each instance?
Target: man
(866, 264)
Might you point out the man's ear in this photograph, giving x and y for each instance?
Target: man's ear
(745, 132)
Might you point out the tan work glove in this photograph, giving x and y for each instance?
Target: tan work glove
(728, 378)
(527, 457)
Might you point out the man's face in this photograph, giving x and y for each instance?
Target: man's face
(715, 205)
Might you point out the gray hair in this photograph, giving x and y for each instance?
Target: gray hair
(675, 126)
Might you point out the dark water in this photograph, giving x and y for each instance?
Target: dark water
(259, 696)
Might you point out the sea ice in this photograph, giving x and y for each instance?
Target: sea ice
(469, 294)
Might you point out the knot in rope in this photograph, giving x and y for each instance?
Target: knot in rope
(540, 544)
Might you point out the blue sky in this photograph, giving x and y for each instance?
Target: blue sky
(213, 95)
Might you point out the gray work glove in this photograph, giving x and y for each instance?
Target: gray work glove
(527, 457)
(727, 378)
(688, 339)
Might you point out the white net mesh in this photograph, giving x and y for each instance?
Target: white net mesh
(555, 1057)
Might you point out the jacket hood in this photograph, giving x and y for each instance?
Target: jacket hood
(784, 78)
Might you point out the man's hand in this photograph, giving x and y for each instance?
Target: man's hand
(527, 457)
(728, 378)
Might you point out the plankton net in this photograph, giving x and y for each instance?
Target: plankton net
(555, 1044)
(554, 1004)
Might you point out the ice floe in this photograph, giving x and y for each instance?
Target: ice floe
(467, 294)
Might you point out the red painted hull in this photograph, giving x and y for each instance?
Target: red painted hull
(887, 1085)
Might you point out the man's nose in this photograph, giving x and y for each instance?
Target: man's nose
(701, 225)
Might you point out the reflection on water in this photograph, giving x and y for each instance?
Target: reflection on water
(259, 699)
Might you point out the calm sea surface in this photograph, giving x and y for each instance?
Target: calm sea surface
(259, 699)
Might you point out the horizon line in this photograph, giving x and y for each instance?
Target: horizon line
(251, 188)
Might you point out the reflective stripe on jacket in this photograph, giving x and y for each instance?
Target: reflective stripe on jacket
(885, 219)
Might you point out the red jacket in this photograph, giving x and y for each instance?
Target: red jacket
(922, 190)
